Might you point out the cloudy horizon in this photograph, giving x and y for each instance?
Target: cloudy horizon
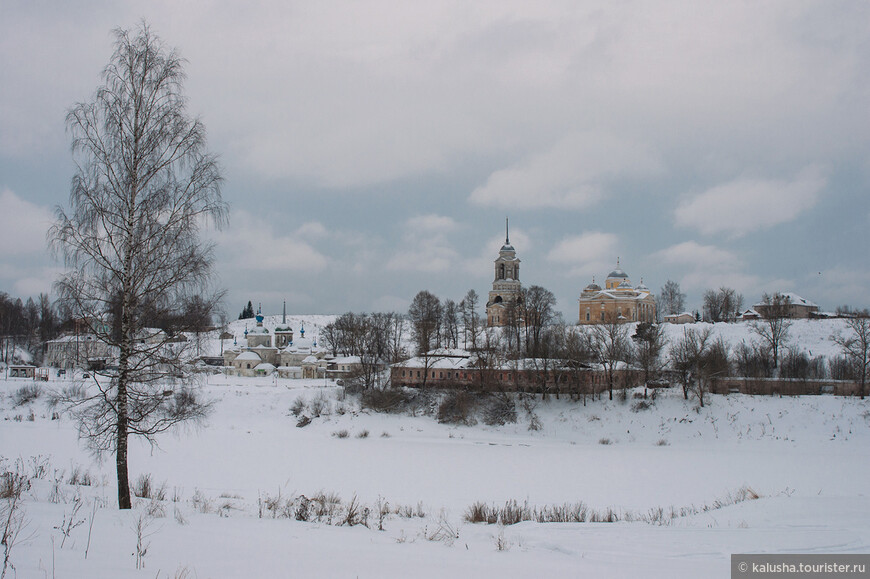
(374, 149)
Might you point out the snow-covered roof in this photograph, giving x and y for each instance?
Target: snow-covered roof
(432, 362)
(264, 366)
(617, 274)
(73, 338)
(450, 352)
(248, 356)
(793, 298)
(344, 360)
(636, 296)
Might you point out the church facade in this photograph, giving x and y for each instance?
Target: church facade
(506, 287)
(618, 301)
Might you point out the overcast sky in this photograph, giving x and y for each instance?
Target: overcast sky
(374, 149)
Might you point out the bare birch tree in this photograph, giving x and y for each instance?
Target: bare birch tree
(144, 186)
(671, 299)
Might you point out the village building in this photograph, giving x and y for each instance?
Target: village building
(795, 307)
(683, 318)
(456, 368)
(78, 351)
(263, 353)
(506, 287)
(619, 300)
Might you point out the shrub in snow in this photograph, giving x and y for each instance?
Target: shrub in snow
(319, 405)
(639, 405)
(363, 434)
(144, 488)
(26, 394)
(340, 434)
(480, 512)
(200, 502)
(605, 441)
(385, 400)
(457, 408)
(80, 477)
(443, 532)
(298, 406)
(500, 410)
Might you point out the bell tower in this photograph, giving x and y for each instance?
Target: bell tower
(506, 286)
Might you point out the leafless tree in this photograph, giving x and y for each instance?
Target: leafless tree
(753, 361)
(610, 344)
(856, 348)
(649, 340)
(687, 353)
(425, 316)
(698, 358)
(671, 300)
(470, 319)
(450, 325)
(576, 356)
(487, 357)
(722, 305)
(144, 186)
(536, 313)
(774, 327)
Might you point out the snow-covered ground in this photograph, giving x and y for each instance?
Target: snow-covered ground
(806, 457)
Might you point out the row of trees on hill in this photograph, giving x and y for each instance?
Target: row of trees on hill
(719, 305)
(537, 335)
(436, 324)
(28, 325)
(724, 304)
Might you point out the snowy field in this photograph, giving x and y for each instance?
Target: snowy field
(230, 486)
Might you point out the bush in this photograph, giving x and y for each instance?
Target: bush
(605, 441)
(457, 408)
(500, 410)
(319, 405)
(386, 400)
(639, 405)
(26, 394)
(80, 477)
(340, 434)
(12, 484)
(298, 406)
(144, 488)
(481, 513)
(363, 434)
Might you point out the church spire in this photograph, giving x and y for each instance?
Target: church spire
(284, 316)
(507, 237)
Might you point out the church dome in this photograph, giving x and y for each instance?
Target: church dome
(592, 287)
(617, 273)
